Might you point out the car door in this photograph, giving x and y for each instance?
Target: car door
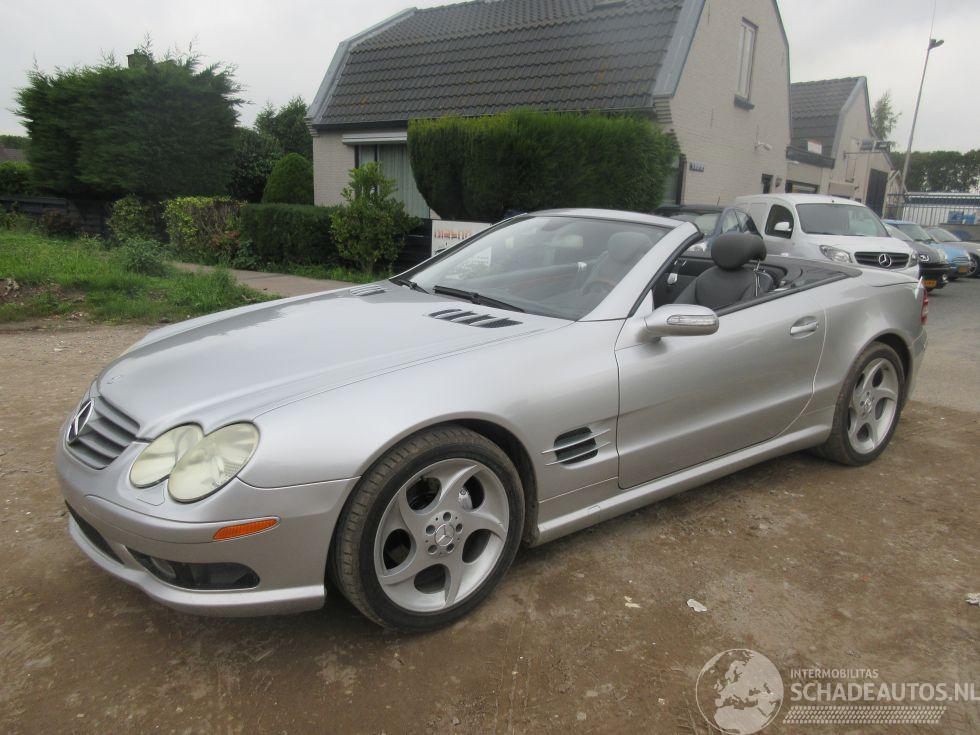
(779, 241)
(686, 400)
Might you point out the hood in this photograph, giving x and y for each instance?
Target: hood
(236, 365)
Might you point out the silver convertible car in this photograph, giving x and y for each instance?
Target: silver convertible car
(403, 439)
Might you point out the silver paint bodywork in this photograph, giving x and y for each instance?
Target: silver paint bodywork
(334, 380)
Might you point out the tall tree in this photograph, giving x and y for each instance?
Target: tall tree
(288, 126)
(883, 116)
(154, 128)
(942, 170)
(255, 156)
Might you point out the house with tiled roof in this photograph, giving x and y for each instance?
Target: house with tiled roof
(833, 147)
(713, 72)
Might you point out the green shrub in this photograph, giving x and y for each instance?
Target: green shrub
(288, 233)
(478, 168)
(15, 178)
(372, 225)
(13, 220)
(59, 224)
(202, 229)
(255, 156)
(291, 182)
(146, 257)
(132, 218)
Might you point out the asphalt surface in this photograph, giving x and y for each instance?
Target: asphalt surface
(811, 564)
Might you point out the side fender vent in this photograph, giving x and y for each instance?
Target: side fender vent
(577, 445)
(473, 319)
(369, 290)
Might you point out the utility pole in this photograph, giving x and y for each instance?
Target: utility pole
(933, 43)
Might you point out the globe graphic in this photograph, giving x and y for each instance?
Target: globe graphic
(739, 691)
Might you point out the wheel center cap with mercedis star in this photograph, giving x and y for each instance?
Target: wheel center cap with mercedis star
(443, 533)
(79, 421)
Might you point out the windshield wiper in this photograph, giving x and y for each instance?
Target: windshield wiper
(475, 298)
(399, 281)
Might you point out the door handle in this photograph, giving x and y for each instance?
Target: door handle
(804, 326)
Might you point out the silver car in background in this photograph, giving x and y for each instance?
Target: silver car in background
(404, 438)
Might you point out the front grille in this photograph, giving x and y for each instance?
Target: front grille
(105, 435)
(95, 538)
(895, 260)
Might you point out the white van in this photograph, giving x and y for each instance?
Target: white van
(820, 227)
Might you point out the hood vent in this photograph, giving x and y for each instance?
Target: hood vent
(473, 319)
(577, 445)
(369, 290)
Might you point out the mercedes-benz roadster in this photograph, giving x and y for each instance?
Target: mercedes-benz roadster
(406, 437)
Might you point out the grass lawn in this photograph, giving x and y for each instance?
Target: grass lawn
(42, 276)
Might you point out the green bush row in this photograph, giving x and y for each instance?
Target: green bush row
(289, 233)
(15, 178)
(478, 168)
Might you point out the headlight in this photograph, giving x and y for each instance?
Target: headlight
(943, 256)
(158, 460)
(835, 254)
(215, 460)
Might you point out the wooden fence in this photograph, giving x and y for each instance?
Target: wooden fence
(90, 214)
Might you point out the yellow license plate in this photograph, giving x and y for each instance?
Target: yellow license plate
(964, 268)
(930, 283)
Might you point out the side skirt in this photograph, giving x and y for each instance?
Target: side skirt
(610, 501)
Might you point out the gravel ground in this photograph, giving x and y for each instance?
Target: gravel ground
(812, 564)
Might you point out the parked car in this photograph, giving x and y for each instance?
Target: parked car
(942, 235)
(405, 437)
(711, 220)
(959, 259)
(933, 264)
(825, 228)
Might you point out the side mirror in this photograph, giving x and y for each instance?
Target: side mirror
(680, 320)
(783, 229)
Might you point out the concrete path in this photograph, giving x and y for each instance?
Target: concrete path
(274, 283)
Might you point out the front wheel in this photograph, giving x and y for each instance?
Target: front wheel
(429, 530)
(868, 407)
(974, 271)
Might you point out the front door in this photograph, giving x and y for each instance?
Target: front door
(877, 183)
(686, 400)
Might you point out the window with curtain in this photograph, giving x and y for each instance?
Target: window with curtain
(746, 57)
(393, 159)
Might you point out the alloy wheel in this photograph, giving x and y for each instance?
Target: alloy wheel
(441, 535)
(873, 406)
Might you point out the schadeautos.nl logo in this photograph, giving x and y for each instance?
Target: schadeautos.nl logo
(740, 691)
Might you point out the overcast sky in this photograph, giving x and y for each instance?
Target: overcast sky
(282, 48)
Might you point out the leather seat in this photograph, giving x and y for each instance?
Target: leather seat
(730, 280)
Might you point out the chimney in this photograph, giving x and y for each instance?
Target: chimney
(137, 60)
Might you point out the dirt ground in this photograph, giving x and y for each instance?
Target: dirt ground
(811, 564)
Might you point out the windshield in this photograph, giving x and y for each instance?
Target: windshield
(556, 266)
(846, 220)
(915, 231)
(705, 222)
(897, 233)
(938, 233)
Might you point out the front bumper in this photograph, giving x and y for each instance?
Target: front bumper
(289, 559)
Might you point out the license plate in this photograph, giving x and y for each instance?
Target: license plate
(930, 283)
(964, 269)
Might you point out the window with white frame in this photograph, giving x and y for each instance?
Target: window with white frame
(746, 57)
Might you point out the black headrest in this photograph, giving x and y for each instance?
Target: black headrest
(734, 249)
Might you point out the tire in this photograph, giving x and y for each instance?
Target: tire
(975, 266)
(429, 530)
(864, 421)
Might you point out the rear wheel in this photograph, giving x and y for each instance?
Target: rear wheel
(429, 530)
(868, 407)
(974, 271)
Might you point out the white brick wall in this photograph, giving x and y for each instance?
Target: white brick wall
(710, 128)
(332, 161)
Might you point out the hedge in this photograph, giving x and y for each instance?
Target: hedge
(479, 168)
(202, 229)
(15, 178)
(289, 233)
